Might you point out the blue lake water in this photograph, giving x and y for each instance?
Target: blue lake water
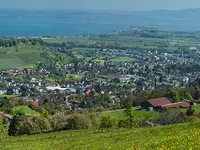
(71, 22)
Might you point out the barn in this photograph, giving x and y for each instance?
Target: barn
(154, 104)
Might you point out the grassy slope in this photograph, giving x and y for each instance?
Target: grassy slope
(9, 96)
(20, 56)
(25, 109)
(183, 136)
(137, 113)
(23, 55)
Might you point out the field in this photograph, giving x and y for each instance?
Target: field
(174, 137)
(19, 56)
(68, 77)
(24, 110)
(25, 56)
(82, 40)
(8, 96)
(137, 113)
(135, 40)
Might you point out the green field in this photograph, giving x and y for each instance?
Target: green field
(67, 77)
(25, 56)
(73, 77)
(173, 137)
(19, 56)
(120, 59)
(82, 40)
(8, 96)
(24, 110)
(137, 113)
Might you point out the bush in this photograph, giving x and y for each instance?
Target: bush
(3, 127)
(95, 122)
(107, 121)
(169, 117)
(100, 109)
(190, 112)
(78, 121)
(59, 122)
(192, 119)
(123, 123)
(145, 123)
(31, 125)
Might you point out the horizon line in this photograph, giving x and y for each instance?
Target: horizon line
(94, 10)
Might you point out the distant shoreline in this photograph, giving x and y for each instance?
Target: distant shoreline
(65, 23)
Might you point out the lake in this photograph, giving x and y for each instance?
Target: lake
(74, 22)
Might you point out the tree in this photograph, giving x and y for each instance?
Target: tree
(126, 102)
(174, 94)
(129, 113)
(198, 94)
(93, 92)
(188, 96)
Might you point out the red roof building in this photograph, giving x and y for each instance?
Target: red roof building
(155, 103)
(35, 103)
(159, 101)
(177, 105)
(162, 103)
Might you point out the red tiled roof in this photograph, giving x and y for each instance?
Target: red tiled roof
(159, 101)
(177, 105)
(67, 70)
(10, 72)
(33, 102)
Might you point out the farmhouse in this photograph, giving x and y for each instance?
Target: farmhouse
(156, 103)
(162, 103)
(176, 105)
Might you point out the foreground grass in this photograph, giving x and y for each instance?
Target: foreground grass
(183, 136)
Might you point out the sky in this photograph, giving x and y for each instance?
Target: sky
(129, 5)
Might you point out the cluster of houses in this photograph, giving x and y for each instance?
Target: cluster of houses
(145, 71)
(153, 69)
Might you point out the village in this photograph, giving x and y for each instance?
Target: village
(81, 85)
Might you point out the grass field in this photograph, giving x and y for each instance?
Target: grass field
(102, 59)
(173, 137)
(19, 56)
(120, 59)
(82, 40)
(24, 110)
(8, 96)
(72, 77)
(137, 113)
(24, 55)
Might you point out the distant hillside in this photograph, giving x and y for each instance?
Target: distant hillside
(23, 55)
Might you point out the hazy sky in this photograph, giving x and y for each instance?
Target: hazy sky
(101, 4)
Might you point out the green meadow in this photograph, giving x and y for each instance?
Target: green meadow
(173, 137)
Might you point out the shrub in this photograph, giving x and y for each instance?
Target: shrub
(107, 121)
(78, 121)
(145, 123)
(59, 122)
(3, 127)
(169, 117)
(100, 109)
(95, 122)
(192, 119)
(31, 125)
(190, 112)
(123, 123)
